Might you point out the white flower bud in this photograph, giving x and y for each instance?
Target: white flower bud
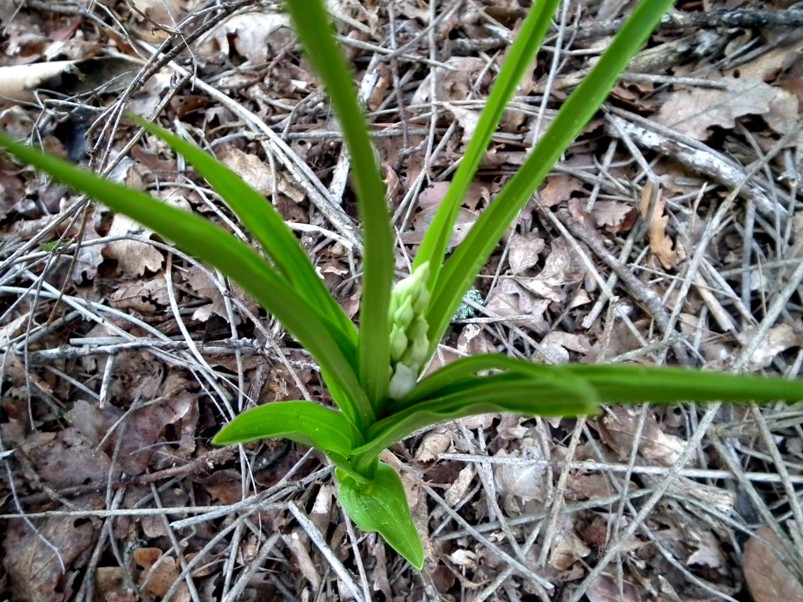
(402, 382)
(404, 315)
(398, 342)
(416, 353)
(409, 344)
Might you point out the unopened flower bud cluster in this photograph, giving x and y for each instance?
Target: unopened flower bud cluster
(408, 331)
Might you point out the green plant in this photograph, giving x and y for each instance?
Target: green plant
(373, 374)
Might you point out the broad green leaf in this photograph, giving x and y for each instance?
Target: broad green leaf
(381, 506)
(260, 218)
(304, 422)
(523, 394)
(465, 263)
(210, 243)
(518, 60)
(315, 32)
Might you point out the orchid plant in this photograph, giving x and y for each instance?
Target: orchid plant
(374, 372)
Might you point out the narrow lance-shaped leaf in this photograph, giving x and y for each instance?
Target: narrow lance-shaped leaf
(463, 266)
(532, 389)
(314, 31)
(304, 422)
(483, 395)
(465, 369)
(518, 59)
(381, 506)
(264, 222)
(637, 384)
(217, 247)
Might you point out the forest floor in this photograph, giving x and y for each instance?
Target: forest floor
(671, 232)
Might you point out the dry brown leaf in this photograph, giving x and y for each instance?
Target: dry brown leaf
(620, 426)
(557, 344)
(588, 487)
(660, 244)
(297, 542)
(467, 119)
(433, 194)
(66, 458)
(767, 577)
(255, 36)
(249, 167)
(778, 339)
(524, 481)
(708, 552)
(110, 586)
(141, 430)
(605, 589)
(567, 547)
(224, 486)
(199, 280)
(321, 512)
(510, 299)
(379, 574)
(456, 79)
(435, 442)
(34, 570)
(524, 251)
(154, 20)
(473, 340)
(614, 216)
(423, 219)
(465, 559)
(159, 573)
(141, 295)
(90, 256)
(558, 189)
(461, 485)
(562, 268)
(133, 257)
(692, 112)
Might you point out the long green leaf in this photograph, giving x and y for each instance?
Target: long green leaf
(210, 243)
(463, 266)
(381, 506)
(304, 422)
(518, 60)
(466, 369)
(523, 387)
(543, 396)
(263, 221)
(637, 384)
(314, 31)
(614, 383)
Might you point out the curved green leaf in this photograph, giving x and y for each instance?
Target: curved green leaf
(518, 60)
(315, 32)
(304, 422)
(453, 375)
(263, 221)
(465, 263)
(210, 243)
(381, 506)
(524, 394)
(457, 391)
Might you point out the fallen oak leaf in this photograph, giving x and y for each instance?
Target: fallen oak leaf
(692, 112)
(660, 244)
